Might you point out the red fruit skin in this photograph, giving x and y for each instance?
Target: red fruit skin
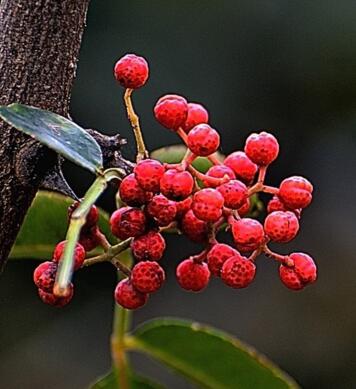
(176, 185)
(131, 71)
(262, 148)
(171, 111)
(79, 254)
(148, 247)
(44, 276)
(234, 193)
(147, 277)
(203, 140)
(303, 273)
(244, 169)
(131, 192)
(55, 301)
(275, 204)
(238, 272)
(128, 222)
(281, 226)
(148, 174)
(128, 296)
(218, 255)
(195, 229)
(183, 207)
(92, 217)
(89, 238)
(208, 204)
(162, 210)
(248, 234)
(245, 208)
(296, 192)
(197, 114)
(193, 276)
(218, 171)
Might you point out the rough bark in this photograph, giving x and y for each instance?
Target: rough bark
(39, 46)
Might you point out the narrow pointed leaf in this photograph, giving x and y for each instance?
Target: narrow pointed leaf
(56, 132)
(46, 224)
(210, 358)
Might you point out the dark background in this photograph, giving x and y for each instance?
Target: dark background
(285, 65)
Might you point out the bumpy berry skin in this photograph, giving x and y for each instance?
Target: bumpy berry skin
(248, 234)
(128, 222)
(245, 208)
(171, 111)
(238, 272)
(147, 277)
(195, 229)
(131, 71)
(296, 192)
(234, 193)
(218, 171)
(89, 238)
(203, 140)
(275, 204)
(303, 273)
(79, 254)
(128, 296)
(148, 247)
(56, 301)
(162, 210)
(148, 174)
(92, 217)
(281, 226)
(208, 204)
(218, 255)
(193, 276)
(45, 275)
(131, 193)
(262, 148)
(197, 114)
(176, 185)
(183, 207)
(244, 169)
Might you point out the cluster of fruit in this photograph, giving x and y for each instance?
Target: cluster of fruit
(158, 196)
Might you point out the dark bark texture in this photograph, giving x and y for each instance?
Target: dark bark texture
(39, 46)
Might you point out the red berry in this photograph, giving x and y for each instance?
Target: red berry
(128, 296)
(296, 192)
(176, 185)
(281, 226)
(218, 255)
(91, 219)
(244, 169)
(197, 114)
(303, 272)
(275, 204)
(203, 140)
(193, 275)
(245, 208)
(56, 301)
(208, 204)
(195, 229)
(248, 234)
(131, 71)
(148, 174)
(131, 192)
(162, 210)
(148, 247)
(183, 207)
(79, 254)
(45, 275)
(128, 222)
(234, 193)
(89, 238)
(238, 272)
(218, 171)
(262, 148)
(171, 111)
(147, 277)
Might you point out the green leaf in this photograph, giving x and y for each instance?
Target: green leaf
(57, 133)
(46, 224)
(206, 356)
(174, 154)
(109, 381)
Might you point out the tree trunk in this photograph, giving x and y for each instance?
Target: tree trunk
(39, 46)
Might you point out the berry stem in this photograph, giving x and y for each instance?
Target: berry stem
(135, 124)
(284, 259)
(214, 159)
(211, 180)
(183, 135)
(201, 256)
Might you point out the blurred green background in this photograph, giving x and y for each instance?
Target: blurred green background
(284, 65)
